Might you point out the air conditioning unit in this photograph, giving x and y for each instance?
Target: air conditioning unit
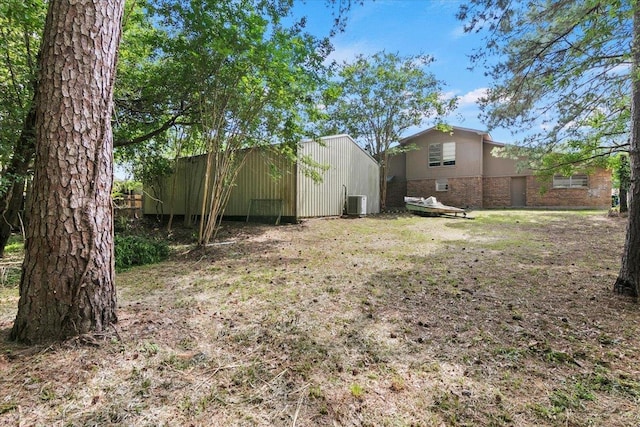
(357, 205)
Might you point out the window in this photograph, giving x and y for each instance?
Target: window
(442, 154)
(449, 153)
(573, 181)
(442, 184)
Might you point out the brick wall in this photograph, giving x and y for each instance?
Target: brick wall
(463, 192)
(598, 195)
(496, 192)
(396, 190)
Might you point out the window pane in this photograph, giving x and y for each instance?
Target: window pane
(579, 181)
(561, 181)
(435, 154)
(574, 181)
(449, 153)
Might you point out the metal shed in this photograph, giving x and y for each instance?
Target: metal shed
(267, 177)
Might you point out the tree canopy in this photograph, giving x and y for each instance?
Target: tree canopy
(560, 75)
(216, 78)
(21, 26)
(570, 69)
(243, 58)
(376, 99)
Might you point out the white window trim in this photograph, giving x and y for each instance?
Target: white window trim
(442, 149)
(573, 181)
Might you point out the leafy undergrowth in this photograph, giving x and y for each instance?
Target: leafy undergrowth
(133, 250)
(505, 320)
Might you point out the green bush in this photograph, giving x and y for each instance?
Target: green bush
(138, 250)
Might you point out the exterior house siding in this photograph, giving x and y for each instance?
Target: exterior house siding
(254, 181)
(495, 166)
(264, 175)
(480, 178)
(186, 197)
(323, 198)
(364, 177)
(468, 156)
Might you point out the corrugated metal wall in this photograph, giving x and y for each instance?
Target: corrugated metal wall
(187, 197)
(351, 169)
(365, 178)
(265, 175)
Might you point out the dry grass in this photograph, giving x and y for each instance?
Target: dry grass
(508, 319)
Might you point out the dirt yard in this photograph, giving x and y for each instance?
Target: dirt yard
(392, 320)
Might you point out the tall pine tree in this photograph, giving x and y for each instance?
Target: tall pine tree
(566, 68)
(67, 286)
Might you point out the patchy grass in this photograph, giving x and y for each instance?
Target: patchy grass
(390, 320)
(14, 246)
(11, 263)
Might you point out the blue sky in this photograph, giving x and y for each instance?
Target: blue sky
(412, 27)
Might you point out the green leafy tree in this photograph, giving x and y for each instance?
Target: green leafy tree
(567, 72)
(21, 26)
(20, 32)
(560, 71)
(151, 90)
(234, 76)
(619, 164)
(375, 99)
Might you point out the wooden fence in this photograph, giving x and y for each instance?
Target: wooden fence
(128, 205)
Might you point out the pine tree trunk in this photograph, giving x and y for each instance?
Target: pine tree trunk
(623, 177)
(624, 207)
(383, 183)
(67, 286)
(10, 207)
(628, 281)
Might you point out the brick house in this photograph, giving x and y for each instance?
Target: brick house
(459, 169)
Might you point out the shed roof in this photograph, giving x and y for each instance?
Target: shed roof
(341, 135)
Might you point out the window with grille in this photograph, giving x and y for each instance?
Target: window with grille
(442, 154)
(573, 181)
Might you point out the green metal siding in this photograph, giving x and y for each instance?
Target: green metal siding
(265, 175)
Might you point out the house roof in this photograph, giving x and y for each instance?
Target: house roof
(485, 135)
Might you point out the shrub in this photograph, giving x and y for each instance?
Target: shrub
(138, 250)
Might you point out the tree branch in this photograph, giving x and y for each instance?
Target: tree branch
(142, 138)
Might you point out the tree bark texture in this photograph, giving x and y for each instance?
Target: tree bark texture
(628, 281)
(67, 286)
(383, 162)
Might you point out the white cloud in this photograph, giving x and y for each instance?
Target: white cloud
(348, 53)
(620, 69)
(458, 32)
(448, 95)
(471, 98)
